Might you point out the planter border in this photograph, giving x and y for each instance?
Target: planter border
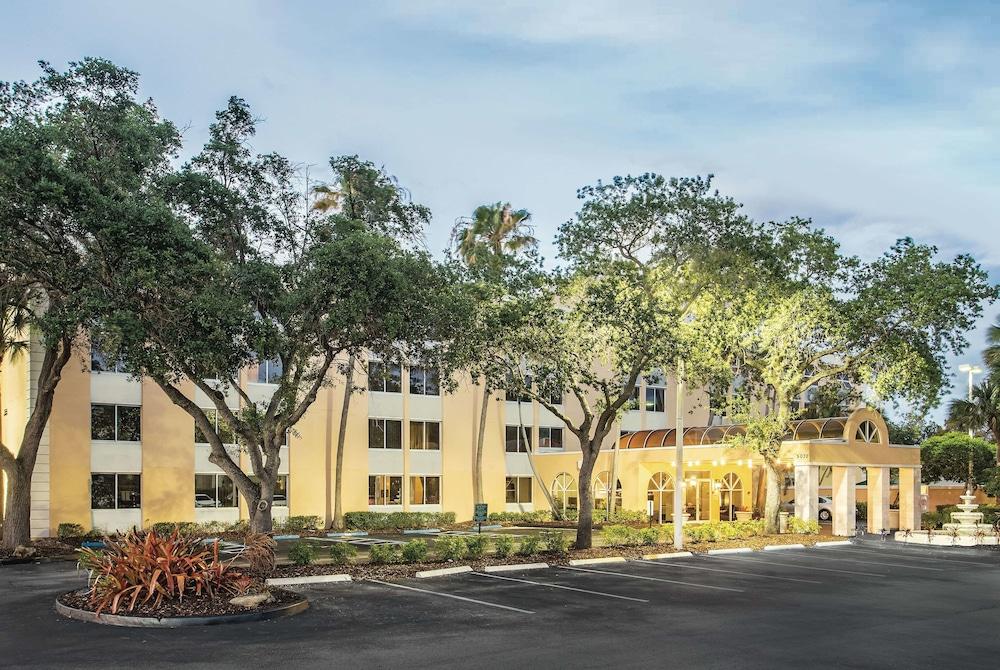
(307, 579)
(512, 567)
(277, 612)
(597, 561)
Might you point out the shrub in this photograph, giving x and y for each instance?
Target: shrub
(503, 546)
(649, 536)
(529, 545)
(301, 553)
(148, 567)
(415, 551)
(450, 547)
(383, 554)
(555, 542)
(475, 546)
(539, 516)
(341, 553)
(241, 526)
(259, 552)
(629, 516)
(620, 536)
(298, 524)
(860, 510)
(810, 527)
(397, 520)
(66, 530)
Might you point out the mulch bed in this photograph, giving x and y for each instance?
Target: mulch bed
(190, 606)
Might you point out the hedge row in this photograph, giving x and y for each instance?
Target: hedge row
(292, 524)
(397, 520)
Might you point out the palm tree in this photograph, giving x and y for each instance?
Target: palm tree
(493, 232)
(992, 352)
(982, 413)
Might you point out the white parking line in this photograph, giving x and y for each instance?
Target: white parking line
(452, 596)
(654, 579)
(678, 564)
(560, 586)
(799, 567)
(828, 557)
(904, 555)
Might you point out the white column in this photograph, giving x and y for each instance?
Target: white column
(807, 492)
(878, 499)
(844, 508)
(679, 458)
(909, 498)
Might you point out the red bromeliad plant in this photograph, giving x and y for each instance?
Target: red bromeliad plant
(144, 567)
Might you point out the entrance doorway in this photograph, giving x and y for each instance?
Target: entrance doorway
(698, 495)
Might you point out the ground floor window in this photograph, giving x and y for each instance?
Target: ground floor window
(115, 491)
(602, 491)
(214, 490)
(385, 490)
(661, 492)
(425, 490)
(564, 493)
(519, 489)
(731, 496)
(280, 497)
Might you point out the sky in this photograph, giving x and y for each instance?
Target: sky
(875, 119)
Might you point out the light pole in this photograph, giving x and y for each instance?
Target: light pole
(971, 370)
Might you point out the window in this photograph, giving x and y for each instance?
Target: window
(661, 491)
(424, 381)
(214, 491)
(556, 398)
(517, 440)
(280, 497)
(115, 422)
(633, 403)
(385, 490)
(654, 399)
(425, 435)
(730, 496)
(269, 372)
(222, 429)
(515, 394)
(550, 438)
(602, 490)
(867, 432)
(425, 490)
(519, 489)
(385, 434)
(114, 491)
(100, 362)
(384, 378)
(564, 492)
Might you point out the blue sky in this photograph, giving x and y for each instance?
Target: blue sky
(877, 120)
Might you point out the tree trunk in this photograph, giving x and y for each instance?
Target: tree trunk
(261, 520)
(477, 475)
(17, 524)
(338, 495)
(585, 498)
(772, 500)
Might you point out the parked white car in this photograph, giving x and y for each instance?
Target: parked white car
(203, 500)
(825, 508)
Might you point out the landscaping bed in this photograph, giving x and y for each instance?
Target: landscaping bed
(192, 606)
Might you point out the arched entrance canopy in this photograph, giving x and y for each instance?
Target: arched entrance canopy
(806, 429)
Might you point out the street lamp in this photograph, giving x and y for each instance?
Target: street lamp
(971, 370)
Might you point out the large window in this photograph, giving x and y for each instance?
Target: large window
(115, 422)
(730, 496)
(661, 492)
(519, 489)
(214, 490)
(384, 378)
(114, 491)
(220, 426)
(385, 490)
(269, 372)
(100, 362)
(654, 399)
(632, 405)
(516, 440)
(425, 435)
(564, 492)
(425, 490)
(424, 381)
(385, 434)
(550, 438)
(602, 492)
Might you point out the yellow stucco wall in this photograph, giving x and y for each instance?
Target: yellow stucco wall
(69, 445)
(167, 456)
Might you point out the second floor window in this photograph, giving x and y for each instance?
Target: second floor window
(223, 430)
(385, 378)
(654, 399)
(517, 441)
(385, 434)
(550, 438)
(121, 423)
(269, 372)
(425, 435)
(424, 381)
(99, 361)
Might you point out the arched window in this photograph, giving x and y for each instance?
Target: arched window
(867, 432)
(731, 496)
(564, 492)
(661, 491)
(601, 490)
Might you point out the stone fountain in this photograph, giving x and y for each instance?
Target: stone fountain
(965, 530)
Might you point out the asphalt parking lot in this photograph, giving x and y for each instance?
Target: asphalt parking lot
(869, 605)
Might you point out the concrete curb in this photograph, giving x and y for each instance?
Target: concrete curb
(515, 566)
(350, 533)
(736, 550)
(312, 579)
(779, 547)
(181, 621)
(442, 572)
(597, 561)
(834, 543)
(287, 537)
(674, 554)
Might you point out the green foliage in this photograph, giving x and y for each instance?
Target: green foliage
(555, 541)
(375, 521)
(529, 545)
(991, 486)
(450, 547)
(981, 414)
(70, 530)
(947, 457)
(341, 553)
(618, 535)
(302, 553)
(538, 516)
(298, 524)
(860, 510)
(475, 546)
(415, 551)
(803, 526)
(385, 554)
(649, 536)
(503, 546)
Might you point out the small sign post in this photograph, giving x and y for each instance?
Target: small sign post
(479, 515)
(649, 512)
